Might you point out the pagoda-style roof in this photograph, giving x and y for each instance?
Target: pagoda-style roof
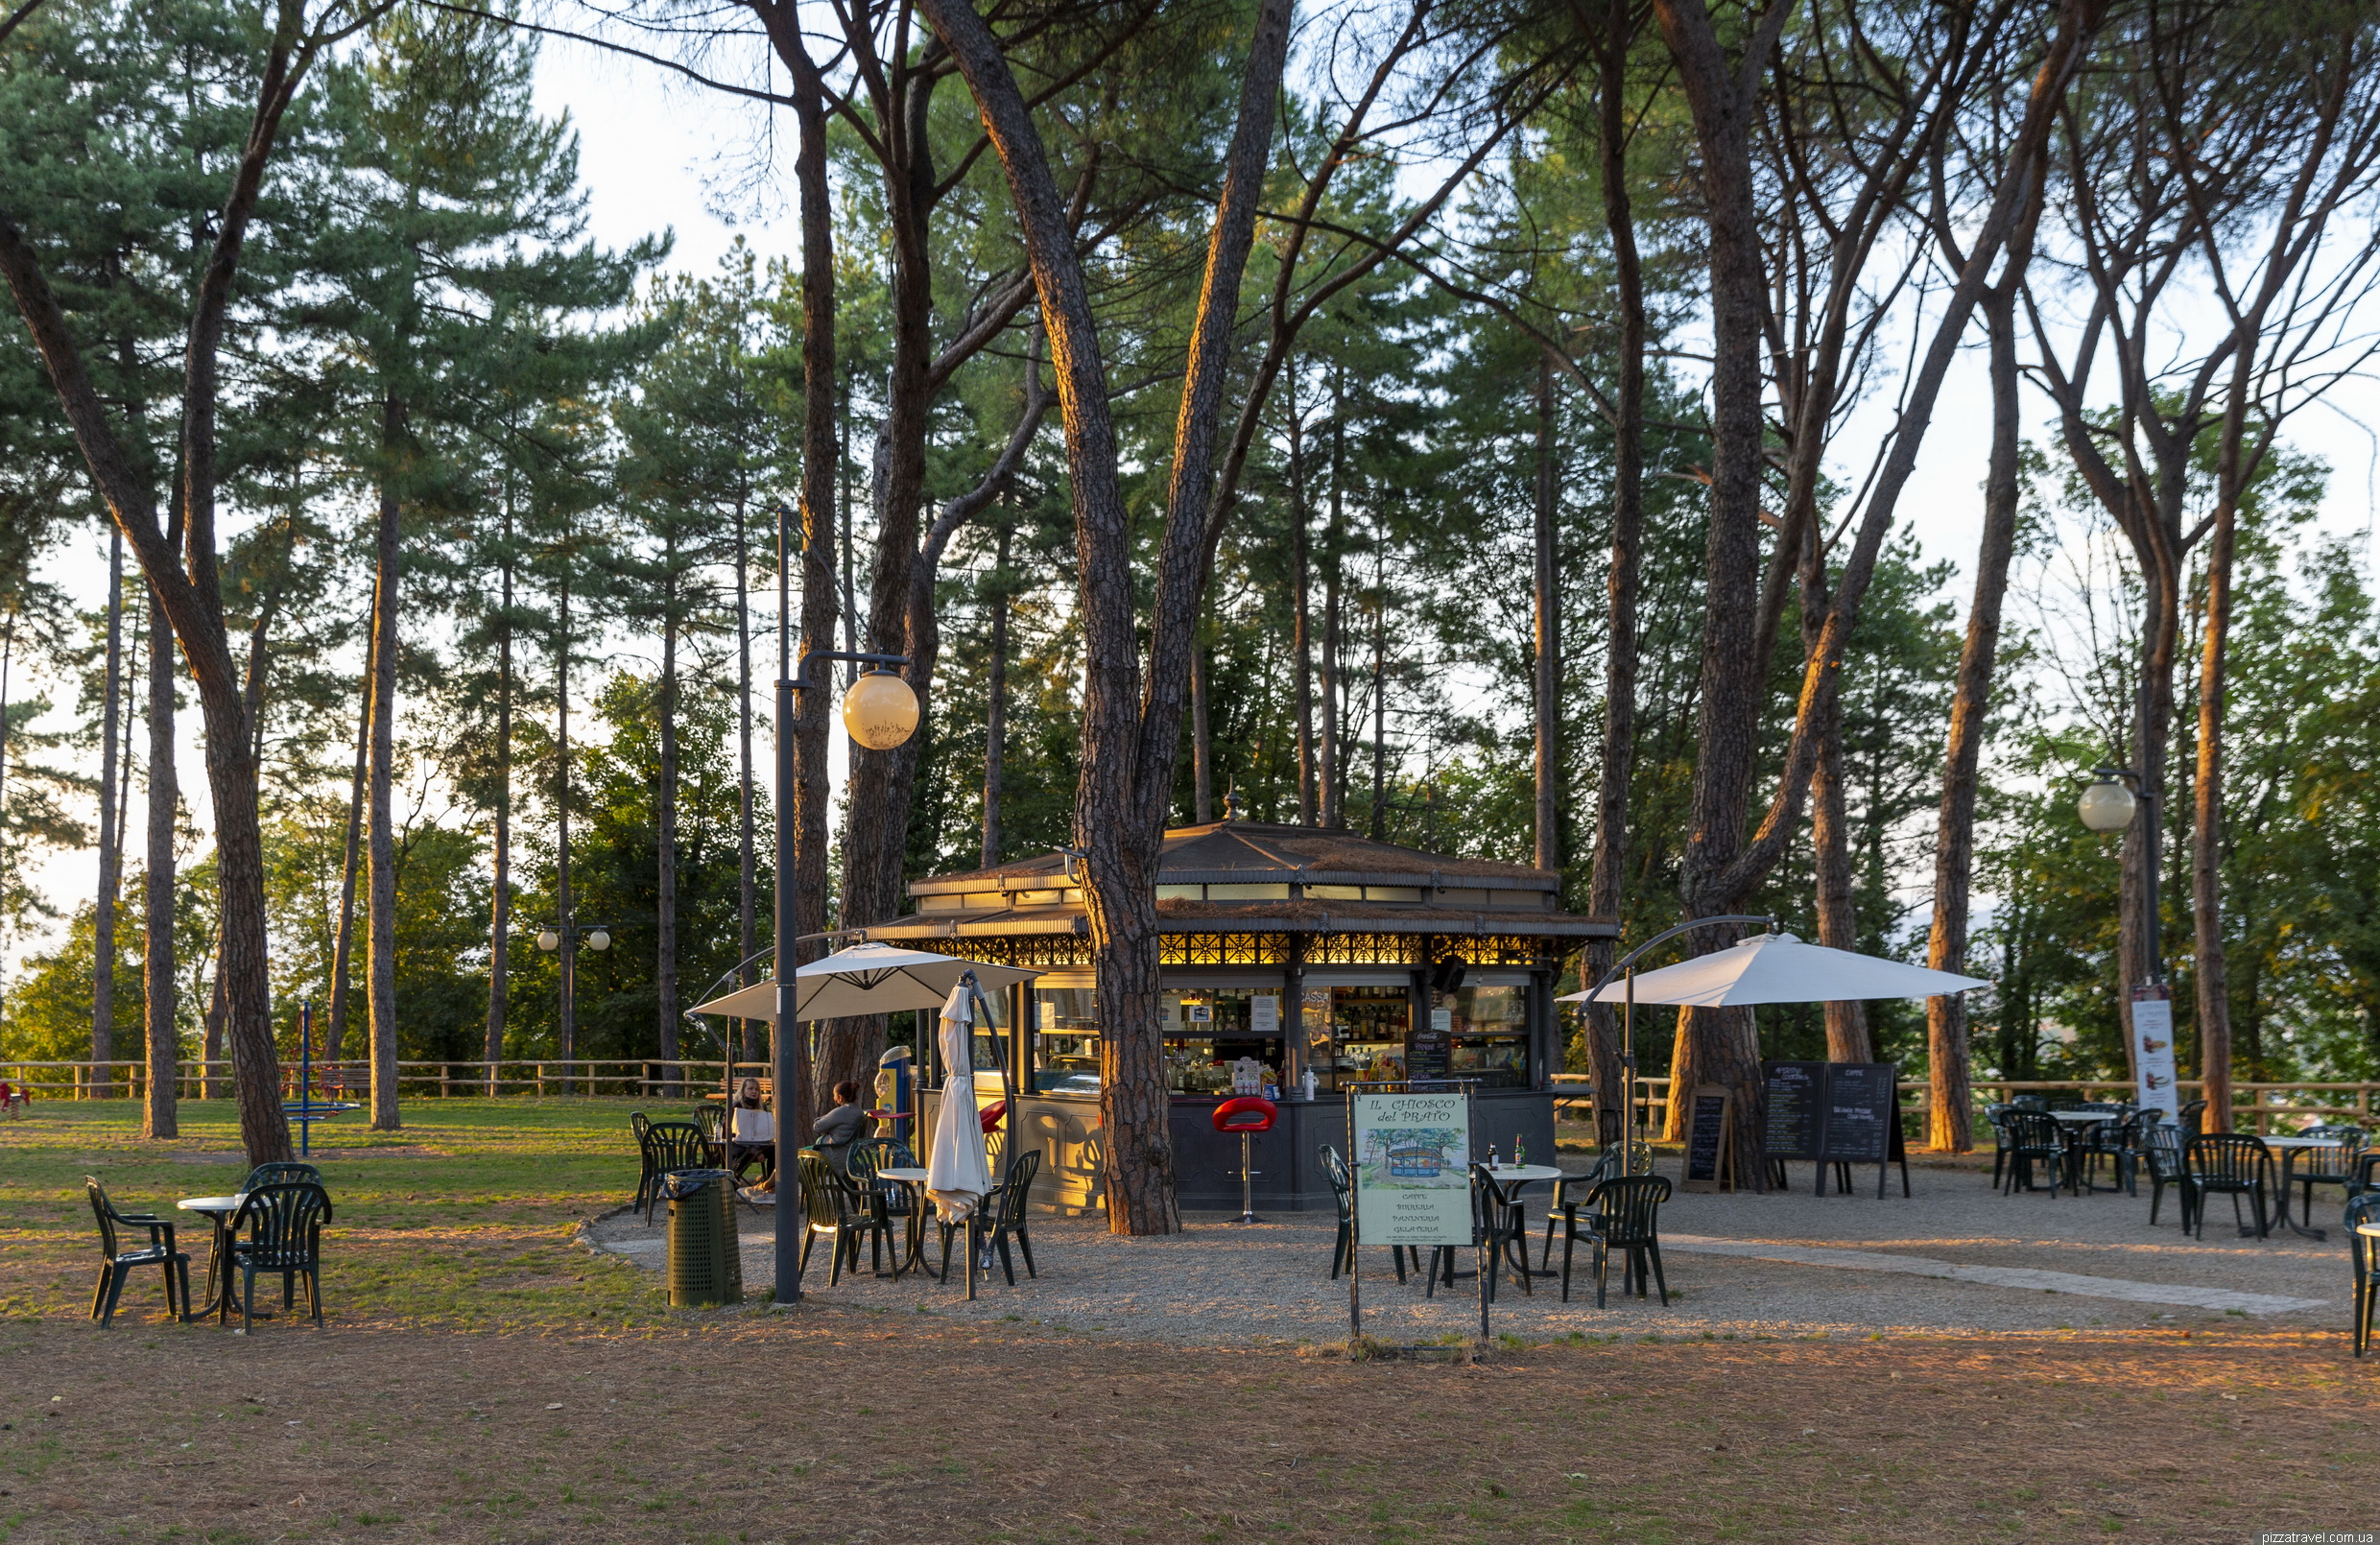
(1253, 876)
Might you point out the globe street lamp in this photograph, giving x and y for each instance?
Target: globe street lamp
(880, 712)
(564, 937)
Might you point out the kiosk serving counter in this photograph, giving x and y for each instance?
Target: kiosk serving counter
(1296, 959)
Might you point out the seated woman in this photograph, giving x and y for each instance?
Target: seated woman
(833, 1133)
(752, 1132)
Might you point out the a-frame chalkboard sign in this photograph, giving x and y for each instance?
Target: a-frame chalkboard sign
(1838, 1113)
(1710, 1140)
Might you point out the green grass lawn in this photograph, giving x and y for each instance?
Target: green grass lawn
(463, 1217)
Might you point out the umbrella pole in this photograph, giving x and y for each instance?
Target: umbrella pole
(1628, 1080)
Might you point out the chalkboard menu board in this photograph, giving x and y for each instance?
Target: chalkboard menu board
(1709, 1163)
(1832, 1113)
(1861, 1111)
(1796, 1114)
(1426, 1054)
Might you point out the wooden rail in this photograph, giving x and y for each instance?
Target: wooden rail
(2254, 1106)
(647, 1077)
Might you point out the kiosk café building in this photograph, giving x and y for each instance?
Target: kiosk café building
(1302, 958)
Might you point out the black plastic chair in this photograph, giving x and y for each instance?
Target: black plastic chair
(712, 1122)
(1008, 1219)
(889, 1200)
(2029, 1101)
(2232, 1164)
(284, 1228)
(1995, 1116)
(2032, 1135)
(671, 1145)
(2191, 1118)
(2118, 1142)
(1343, 1192)
(280, 1172)
(1497, 1230)
(1570, 1193)
(117, 1264)
(2364, 1252)
(2160, 1154)
(1627, 1216)
(2338, 1164)
(640, 1125)
(830, 1206)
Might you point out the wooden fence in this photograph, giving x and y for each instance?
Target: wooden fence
(352, 1080)
(2255, 1108)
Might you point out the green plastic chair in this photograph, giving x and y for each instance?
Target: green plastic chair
(285, 1229)
(118, 1263)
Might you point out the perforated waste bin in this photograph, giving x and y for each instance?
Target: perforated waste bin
(706, 1265)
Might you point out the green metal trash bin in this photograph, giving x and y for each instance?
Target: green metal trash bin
(706, 1265)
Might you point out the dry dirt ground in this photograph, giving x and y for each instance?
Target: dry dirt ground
(845, 1425)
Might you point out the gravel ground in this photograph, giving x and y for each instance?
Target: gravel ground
(1219, 1283)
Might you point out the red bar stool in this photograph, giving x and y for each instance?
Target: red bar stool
(1247, 1115)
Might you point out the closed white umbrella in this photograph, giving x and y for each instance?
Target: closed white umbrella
(957, 1175)
(1780, 969)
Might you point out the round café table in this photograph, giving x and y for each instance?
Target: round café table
(2075, 1128)
(915, 1180)
(221, 1294)
(2289, 1148)
(1507, 1181)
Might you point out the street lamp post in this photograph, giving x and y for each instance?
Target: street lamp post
(2115, 798)
(562, 938)
(880, 711)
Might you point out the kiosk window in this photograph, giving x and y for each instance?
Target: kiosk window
(1356, 1033)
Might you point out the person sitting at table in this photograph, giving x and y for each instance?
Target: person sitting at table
(833, 1133)
(752, 1132)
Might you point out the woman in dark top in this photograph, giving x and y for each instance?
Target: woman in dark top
(833, 1133)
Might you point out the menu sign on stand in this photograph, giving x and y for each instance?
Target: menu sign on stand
(1832, 1113)
(1412, 1170)
(2153, 1049)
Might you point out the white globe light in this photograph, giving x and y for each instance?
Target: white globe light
(599, 939)
(880, 711)
(2107, 805)
(549, 940)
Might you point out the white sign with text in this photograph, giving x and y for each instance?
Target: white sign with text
(2153, 1049)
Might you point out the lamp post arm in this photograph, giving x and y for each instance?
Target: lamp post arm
(802, 681)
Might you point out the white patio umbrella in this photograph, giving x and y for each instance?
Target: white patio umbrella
(1768, 967)
(1779, 968)
(958, 1175)
(865, 979)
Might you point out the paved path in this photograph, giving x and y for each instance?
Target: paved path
(1955, 1258)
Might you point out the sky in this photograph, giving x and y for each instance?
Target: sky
(658, 153)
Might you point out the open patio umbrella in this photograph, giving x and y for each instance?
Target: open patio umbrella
(1769, 967)
(865, 979)
(1779, 968)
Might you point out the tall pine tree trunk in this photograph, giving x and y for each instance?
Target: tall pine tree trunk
(1201, 746)
(1302, 624)
(1548, 639)
(158, 1118)
(343, 940)
(111, 834)
(1379, 823)
(566, 1034)
(380, 990)
(1830, 836)
(500, 893)
(2212, 973)
(747, 894)
(1606, 878)
(996, 705)
(1950, 1121)
(665, 944)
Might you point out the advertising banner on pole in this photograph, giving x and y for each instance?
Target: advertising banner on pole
(2153, 1049)
(1413, 1168)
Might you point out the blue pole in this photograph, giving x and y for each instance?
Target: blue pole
(305, 1078)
